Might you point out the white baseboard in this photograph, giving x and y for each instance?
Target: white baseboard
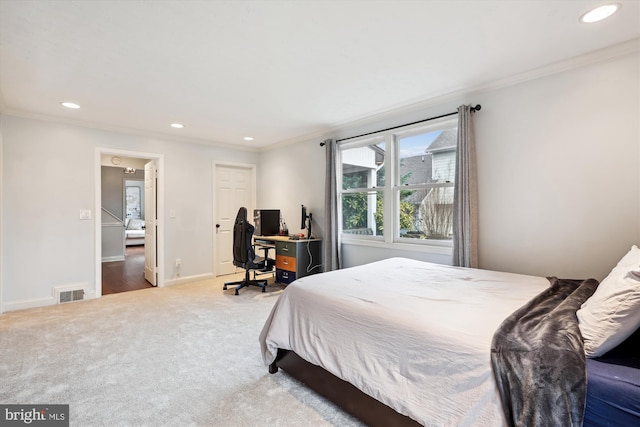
(43, 302)
(113, 258)
(24, 304)
(40, 302)
(187, 279)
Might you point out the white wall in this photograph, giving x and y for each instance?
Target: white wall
(292, 176)
(559, 176)
(558, 171)
(48, 176)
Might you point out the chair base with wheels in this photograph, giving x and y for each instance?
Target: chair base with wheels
(247, 282)
(269, 263)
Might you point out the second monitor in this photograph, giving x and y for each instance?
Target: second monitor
(266, 222)
(304, 223)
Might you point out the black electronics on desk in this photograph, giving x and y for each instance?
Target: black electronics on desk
(266, 222)
(304, 223)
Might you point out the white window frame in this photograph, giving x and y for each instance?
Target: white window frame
(356, 143)
(392, 188)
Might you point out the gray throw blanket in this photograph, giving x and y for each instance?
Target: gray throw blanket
(538, 359)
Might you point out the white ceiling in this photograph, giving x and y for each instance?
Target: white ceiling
(275, 70)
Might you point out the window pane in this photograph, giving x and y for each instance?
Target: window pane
(362, 213)
(428, 157)
(363, 167)
(431, 218)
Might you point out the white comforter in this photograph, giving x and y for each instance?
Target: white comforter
(413, 335)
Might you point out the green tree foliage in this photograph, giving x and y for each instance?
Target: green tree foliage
(354, 211)
(354, 205)
(407, 210)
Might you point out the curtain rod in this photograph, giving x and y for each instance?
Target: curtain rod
(473, 109)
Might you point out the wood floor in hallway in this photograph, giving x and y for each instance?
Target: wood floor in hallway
(127, 275)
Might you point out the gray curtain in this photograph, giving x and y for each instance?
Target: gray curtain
(331, 243)
(465, 203)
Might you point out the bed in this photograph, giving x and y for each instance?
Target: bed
(404, 342)
(614, 386)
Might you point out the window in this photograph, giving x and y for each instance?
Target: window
(398, 186)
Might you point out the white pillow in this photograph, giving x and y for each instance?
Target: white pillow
(612, 313)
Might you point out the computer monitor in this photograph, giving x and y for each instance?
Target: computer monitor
(266, 222)
(303, 223)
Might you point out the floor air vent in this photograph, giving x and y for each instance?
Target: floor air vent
(68, 294)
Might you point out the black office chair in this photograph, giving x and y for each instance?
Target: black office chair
(244, 253)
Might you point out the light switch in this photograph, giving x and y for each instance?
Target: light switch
(172, 213)
(85, 213)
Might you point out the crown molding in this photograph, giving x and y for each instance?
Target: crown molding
(433, 100)
(439, 99)
(594, 57)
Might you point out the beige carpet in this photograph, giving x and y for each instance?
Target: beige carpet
(185, 355)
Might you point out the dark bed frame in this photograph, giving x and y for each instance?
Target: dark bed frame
(373, 412)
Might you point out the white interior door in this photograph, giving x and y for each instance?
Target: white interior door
(150, 222)
(234, 189)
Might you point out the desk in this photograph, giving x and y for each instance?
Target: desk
(294, 258)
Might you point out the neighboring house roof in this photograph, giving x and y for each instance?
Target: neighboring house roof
(417, 167)
(446, 141)
(419, 170)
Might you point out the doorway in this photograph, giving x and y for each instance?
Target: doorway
(123, 210)
(131, 235)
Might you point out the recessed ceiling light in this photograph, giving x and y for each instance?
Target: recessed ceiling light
(599, 13)
(177, 125)
(70, 105)
(248, 138)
